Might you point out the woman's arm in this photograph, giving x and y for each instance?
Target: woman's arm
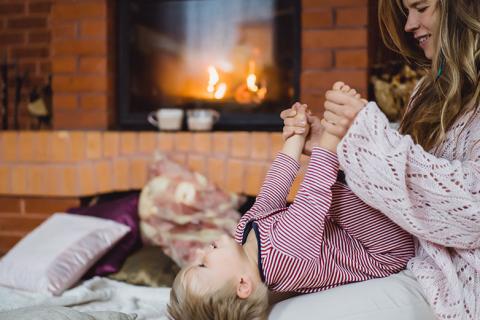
(433, 198)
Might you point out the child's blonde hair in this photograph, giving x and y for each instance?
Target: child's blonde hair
(223, 304)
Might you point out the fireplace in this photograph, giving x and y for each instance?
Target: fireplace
(238, 57)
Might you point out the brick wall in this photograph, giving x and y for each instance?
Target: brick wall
(334, 47)
(83, 78)
(25, 38)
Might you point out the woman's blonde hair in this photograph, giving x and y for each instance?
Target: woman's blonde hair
(451, 85)
(223, 304)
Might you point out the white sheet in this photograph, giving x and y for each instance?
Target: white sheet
(97, 294)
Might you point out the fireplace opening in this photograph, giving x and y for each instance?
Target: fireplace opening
(238, 57)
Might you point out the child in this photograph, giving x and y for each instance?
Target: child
(327, 237)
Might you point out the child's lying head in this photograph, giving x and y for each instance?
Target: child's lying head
(222, 283)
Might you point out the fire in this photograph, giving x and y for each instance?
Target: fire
(251, 82)
(217, 89)
(248, 91)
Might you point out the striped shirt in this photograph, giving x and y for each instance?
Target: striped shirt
(327, 237)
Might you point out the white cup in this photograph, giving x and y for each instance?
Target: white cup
(166, 119)
(202, 119)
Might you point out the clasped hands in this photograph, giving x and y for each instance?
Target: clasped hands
(341, 108)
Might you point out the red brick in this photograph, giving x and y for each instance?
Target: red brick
(317, 19)
(317, 59)
(216, 172)
(94, 101)
(97, 65)
(64, 64)
(235, 175)
(165, 142)
(39, 37)
(306, 4)
(221, 142)
(19, 180)
(9, 146)
(79, 10)
(183, 141)
(60, 147)
(351, 58)
(111, 144)
(49, 205)
(121, 174)
(343, 38)
(10, 205)
(78, 145)
(254, 175)
(65, 101)
(93, 29)
(128, 143)
(27, 23)
(79, 119)
(276, 143)
(260, 145)
(80, 47)
(5, 179)
(325, 79)
(12, 38)
(64, 32)
(8, 240)
(240, 145)
(19, 224)
(352, 16)
(138, 169)
(7, 9)
(147, 142)
(77, 84)
(202, 142)
(94, 144)
(46, 67)
(315, 100)
(31, 52)
(40, 7)
(197, 164)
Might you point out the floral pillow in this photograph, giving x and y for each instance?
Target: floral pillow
(181, 211)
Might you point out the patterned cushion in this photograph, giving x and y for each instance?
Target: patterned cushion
(181, 210)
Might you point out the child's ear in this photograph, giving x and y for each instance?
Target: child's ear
(244, 287)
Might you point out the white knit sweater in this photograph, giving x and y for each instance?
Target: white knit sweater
(434, 196)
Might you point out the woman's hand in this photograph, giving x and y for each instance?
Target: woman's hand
(341, 109)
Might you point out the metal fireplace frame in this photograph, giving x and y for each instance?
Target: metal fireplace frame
(128, 120)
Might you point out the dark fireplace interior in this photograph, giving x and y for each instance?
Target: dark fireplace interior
(239, 57)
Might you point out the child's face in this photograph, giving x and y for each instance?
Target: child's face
(423, 20)
(214, 266)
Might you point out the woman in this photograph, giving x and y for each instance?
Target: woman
(427, 177)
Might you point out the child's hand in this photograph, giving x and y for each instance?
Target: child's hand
(341, 107)
(295, 120)
(295, 141)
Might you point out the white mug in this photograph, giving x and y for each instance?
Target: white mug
(166, 119)
(202, 119)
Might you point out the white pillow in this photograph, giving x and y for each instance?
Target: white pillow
(57, 253)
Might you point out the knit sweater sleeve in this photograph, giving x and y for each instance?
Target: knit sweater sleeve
(433, 198)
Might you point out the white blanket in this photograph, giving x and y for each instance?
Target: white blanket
(97, 294)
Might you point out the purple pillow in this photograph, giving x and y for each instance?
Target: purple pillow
(125, 211)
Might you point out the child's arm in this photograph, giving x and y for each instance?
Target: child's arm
(282, 173)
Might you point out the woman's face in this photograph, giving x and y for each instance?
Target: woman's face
(423, 21)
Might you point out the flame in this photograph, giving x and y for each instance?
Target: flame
(221, 90)
(213, 79)
(251, 79)
(218, 90)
